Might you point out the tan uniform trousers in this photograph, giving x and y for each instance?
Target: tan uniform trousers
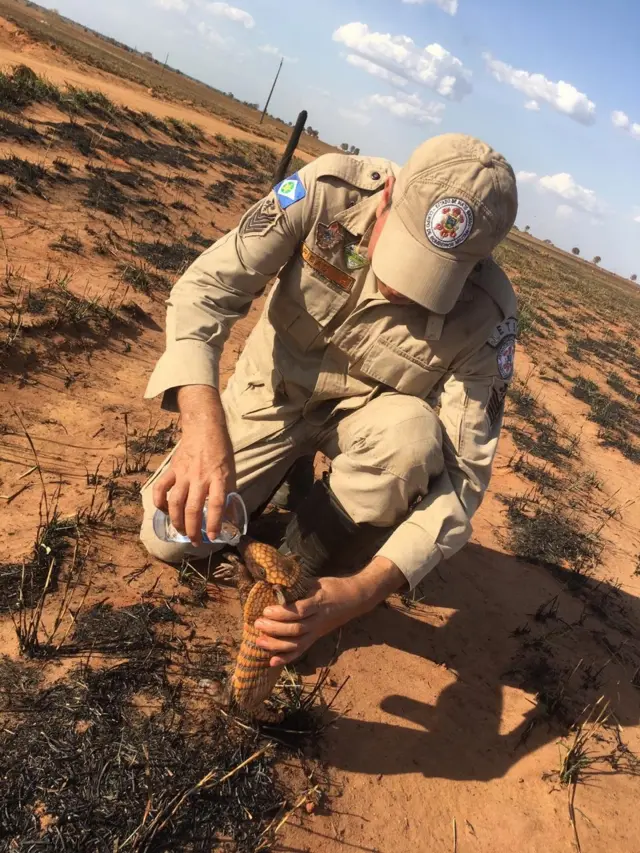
(383, 456)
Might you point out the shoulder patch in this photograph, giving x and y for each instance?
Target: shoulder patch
(505, 356)
(261, 219)
(508, 328)
(290, 191)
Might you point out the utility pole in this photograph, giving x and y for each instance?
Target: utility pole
(164, 67)
(264, 112)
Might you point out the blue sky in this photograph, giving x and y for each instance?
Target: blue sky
(552, 85)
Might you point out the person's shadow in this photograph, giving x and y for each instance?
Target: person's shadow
(507, 629)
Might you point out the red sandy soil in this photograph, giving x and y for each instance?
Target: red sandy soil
(438, 734)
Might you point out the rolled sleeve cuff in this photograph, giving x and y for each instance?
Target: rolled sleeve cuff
(412, 551)
(185, 362)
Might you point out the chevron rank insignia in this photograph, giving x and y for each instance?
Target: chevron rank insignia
(261, 219)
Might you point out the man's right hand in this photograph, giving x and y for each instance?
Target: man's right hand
(202, 466)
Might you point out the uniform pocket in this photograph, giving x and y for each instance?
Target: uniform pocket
(389, 365)
(253, 395)
(305, 302)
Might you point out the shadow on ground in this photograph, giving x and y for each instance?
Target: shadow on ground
(499, 635)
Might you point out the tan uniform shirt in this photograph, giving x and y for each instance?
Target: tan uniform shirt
(327, 341)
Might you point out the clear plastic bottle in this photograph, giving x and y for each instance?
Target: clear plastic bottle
(234, 524)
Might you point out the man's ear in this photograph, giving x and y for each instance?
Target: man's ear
(387, 192)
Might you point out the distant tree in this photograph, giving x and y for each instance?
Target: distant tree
(576, 250)
(597, 260)
(345, 146)
(527, 228)
(634, 277)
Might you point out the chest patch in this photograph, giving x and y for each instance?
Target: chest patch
(328, 271)
(352, 257)
(329, 237)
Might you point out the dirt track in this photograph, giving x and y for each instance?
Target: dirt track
(456, 706)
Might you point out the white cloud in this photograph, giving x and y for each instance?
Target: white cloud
(564, 186)
(431, 66)
(375, 70)
(620, 119)
(562, 96)
(275, 51)
(224, 10)
(356, 116)
(172, 5)
(563, 211)
(213, 36)
(408, 108)
(532, 105)
(448, 6)
(623, 122)
(636, 218)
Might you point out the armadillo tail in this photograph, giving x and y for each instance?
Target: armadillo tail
(253, 679)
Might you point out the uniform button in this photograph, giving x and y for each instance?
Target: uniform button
(375, 176)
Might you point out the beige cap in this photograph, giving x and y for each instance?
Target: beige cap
(453, 202)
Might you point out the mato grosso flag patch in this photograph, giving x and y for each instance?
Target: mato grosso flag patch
(290, 191)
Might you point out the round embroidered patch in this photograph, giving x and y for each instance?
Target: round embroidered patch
(506, 355)
(449, 223)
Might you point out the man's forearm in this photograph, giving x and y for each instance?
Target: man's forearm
(199, 405)
(377, 581)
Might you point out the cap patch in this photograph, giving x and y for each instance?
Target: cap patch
(505, 357)
(290, 191)
(449, 223)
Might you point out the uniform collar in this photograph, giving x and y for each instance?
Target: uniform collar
(359, 219)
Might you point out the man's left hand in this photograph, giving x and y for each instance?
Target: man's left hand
(288, 631)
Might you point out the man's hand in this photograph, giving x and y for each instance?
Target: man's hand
(202, 466)
(290, 630)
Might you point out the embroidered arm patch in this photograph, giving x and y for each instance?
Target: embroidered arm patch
(508, 328)
(260, 221)
(290, 191)
(496, 405)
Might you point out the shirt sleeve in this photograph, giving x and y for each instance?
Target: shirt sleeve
(471, 413)
(220, 285)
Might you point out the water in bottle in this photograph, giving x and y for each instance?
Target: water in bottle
(233, 527)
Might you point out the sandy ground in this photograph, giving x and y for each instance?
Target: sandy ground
(439, 740)
(16, 48)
